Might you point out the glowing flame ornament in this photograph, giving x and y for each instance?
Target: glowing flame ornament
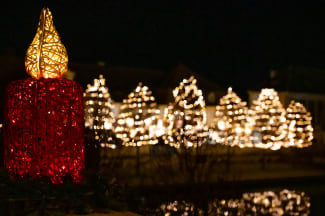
(46, 56)
(44, 115)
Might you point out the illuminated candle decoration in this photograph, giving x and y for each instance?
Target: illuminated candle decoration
(44, 115)
(99, 118)
(186, 117)
(138, 118)
(230, 124)
(268, 116)
(300, 130)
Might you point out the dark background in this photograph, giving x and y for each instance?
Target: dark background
(232, 42)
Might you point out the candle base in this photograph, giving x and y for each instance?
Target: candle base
(44, 129)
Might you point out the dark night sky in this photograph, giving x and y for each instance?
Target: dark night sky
(228, 41)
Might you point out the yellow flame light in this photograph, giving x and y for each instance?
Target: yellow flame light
(46, 56)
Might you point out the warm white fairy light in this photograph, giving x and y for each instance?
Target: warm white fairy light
(99, 117)
(300, 130)
(259, 203)
(268, 117)
(137, 122)
(186, 117)
(181, 208)
(266, 203)
(230, 125)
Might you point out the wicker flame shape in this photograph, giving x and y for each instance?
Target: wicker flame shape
(46, 56)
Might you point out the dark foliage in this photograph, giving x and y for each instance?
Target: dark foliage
(33, 197)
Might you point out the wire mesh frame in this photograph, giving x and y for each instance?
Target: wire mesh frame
(46, 56)
(44, 129)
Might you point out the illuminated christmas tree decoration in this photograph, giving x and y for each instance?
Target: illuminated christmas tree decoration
(44, 115)
(300, 130)
(230, 124)
(137, 122)
(99, 118)
(185, 119)
(268, 117)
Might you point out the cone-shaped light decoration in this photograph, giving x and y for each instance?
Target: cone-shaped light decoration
(300, 130)
(98, 106)
(46, 56)
(99, 124)
(230, 124)
(44, 116)
(269, 120)
(185, 119)
(138, 118)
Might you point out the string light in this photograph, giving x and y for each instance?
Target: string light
(185, 119)
(137, 122)
(99, 118)
(300, 130)
(267, 116)
(231, 126)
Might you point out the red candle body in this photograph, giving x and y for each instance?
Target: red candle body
(44, 129)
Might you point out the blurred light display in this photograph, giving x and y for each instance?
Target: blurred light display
(179, 208)
(185, 119)
(269, 121)
(99, 118)
(285, 203)
(138, 119)
(289, 203)
(231, 125)
(300, 130)
(44, 118)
